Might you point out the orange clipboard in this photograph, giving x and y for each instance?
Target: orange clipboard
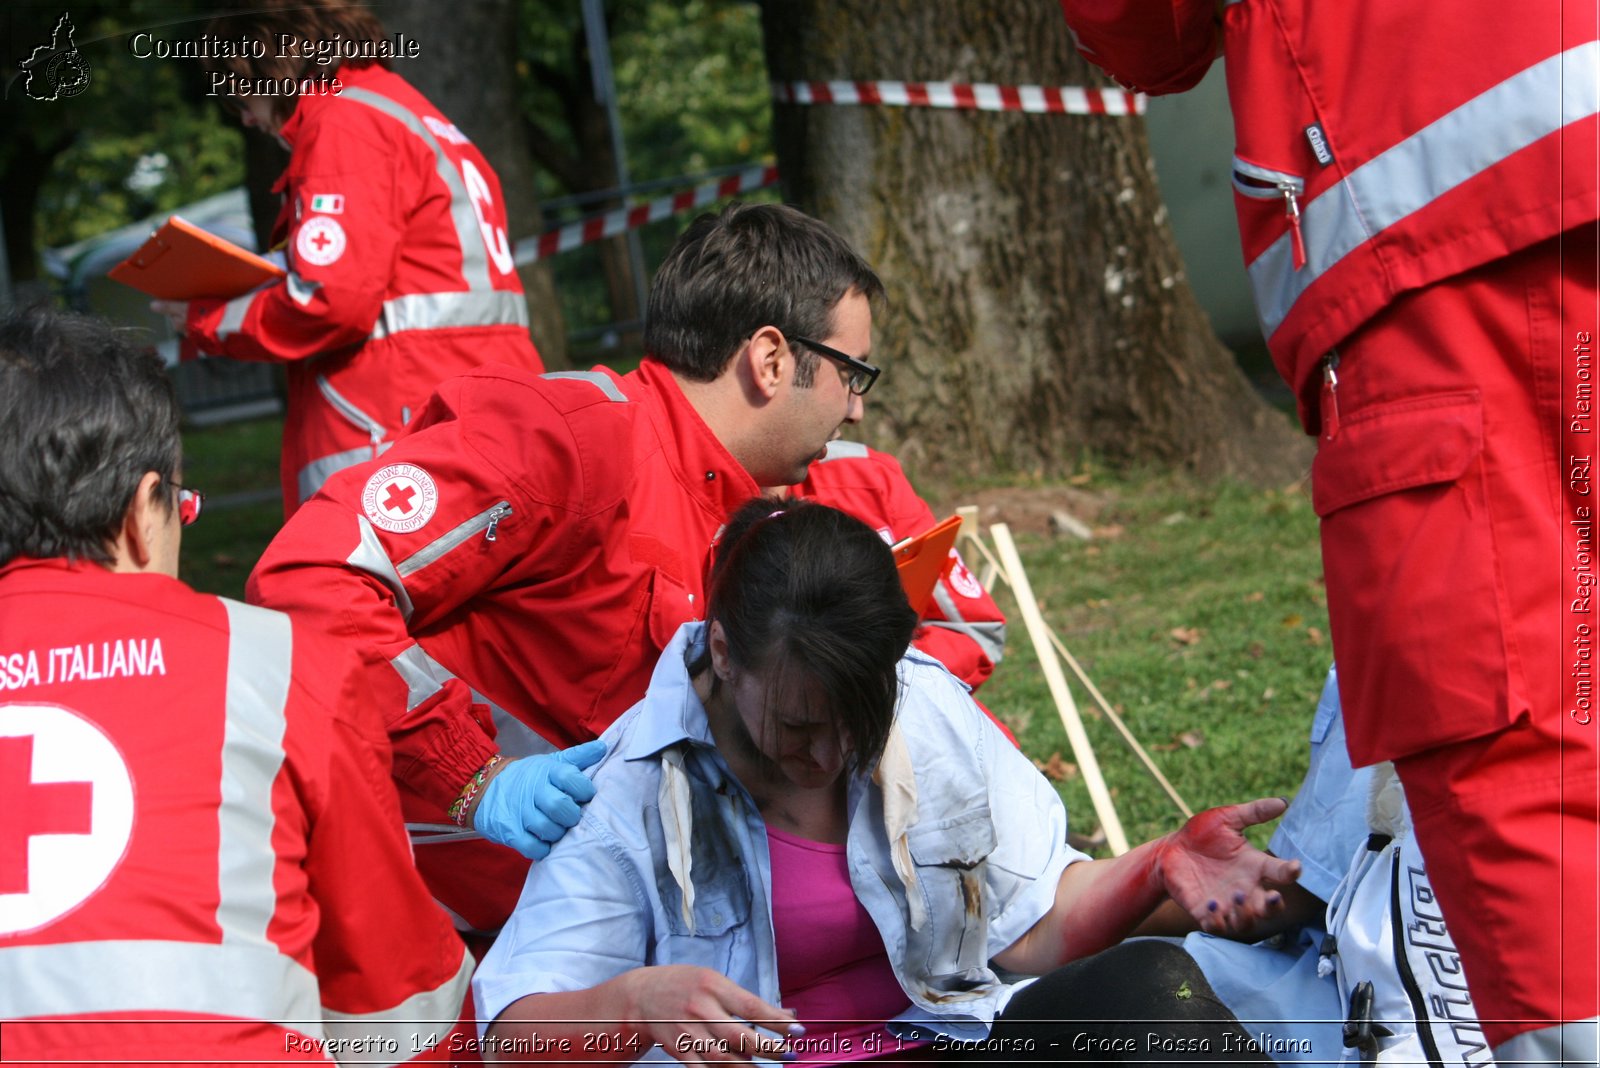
(924, 559)
(180, 261)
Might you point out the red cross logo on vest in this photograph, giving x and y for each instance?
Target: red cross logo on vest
(67, 800)
(400, 498)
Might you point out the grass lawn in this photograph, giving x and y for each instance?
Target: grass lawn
(1197, 610)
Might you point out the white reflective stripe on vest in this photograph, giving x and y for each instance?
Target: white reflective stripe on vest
(424, 676)
(310, 478)
(259, 651)
(1412, 174)
(442, 311)
(474, 258)
(989, 635)
(420, 1022)
(250, 982)
(233, 314)
(594, 378)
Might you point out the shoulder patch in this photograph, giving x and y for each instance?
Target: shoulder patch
(400, 498)
(320, 240)
(964, 581)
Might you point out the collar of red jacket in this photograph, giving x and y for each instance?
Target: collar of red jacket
(31, 570)
(367, 77)
(705, 467)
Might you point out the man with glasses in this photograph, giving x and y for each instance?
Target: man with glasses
(513, 568)
(199, 847)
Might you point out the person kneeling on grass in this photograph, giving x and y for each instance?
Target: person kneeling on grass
(803, 812)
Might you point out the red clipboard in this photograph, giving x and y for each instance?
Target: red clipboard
(924, 559)
(180, 261)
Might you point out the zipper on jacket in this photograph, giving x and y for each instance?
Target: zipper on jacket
(497, 513)
(486, 522)
(1329, 408)
(1263, 184)
(360, 419)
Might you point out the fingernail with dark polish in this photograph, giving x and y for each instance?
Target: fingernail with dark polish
(1211, 906)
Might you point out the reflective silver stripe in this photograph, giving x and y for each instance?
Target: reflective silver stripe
(1431, 162)
(93, 978)
(594, 378)
(514, 737)
(233, 314)
(370, 557)
(844, 450)
(416, 670)
(348, 409)
(989, 635)
(260, 644)
(301, 290)
(420, 1022)
(433, 833)
(310, 478)
(442, 311)
(450, 539)
(474, 258)
(424, 676)
(1572, 1043)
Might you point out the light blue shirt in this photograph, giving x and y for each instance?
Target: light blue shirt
(606, 900)
(1273, 987)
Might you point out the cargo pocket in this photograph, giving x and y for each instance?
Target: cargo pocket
(1413, 596)
(951, 858)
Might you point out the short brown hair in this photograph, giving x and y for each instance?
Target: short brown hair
(264, 22)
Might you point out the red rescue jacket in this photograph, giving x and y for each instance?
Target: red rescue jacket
(401, 275)
(1381, 145)
(201, 855)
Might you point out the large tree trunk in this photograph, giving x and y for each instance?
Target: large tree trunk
(1037, 301)
(467, 67)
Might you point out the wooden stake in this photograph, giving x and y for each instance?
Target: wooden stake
(1039, 633)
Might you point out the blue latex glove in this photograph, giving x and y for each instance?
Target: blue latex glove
(534, 800)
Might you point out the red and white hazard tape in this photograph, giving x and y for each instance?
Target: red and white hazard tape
(1039, 99)
(611, 223)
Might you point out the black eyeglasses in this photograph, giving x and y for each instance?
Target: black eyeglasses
(189, 503)
(862, 374)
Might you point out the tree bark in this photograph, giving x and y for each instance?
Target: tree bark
(1037, 301)
(467, 67)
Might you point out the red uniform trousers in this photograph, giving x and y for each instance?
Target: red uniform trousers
(1453, 480)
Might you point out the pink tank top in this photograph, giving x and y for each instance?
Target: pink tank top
(832, 968)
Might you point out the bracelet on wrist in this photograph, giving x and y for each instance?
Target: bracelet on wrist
(462, 805)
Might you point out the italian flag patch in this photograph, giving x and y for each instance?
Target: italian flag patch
(328, 203)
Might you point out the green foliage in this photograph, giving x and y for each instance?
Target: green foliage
(142, 138)
(692, 96)
(691, 81)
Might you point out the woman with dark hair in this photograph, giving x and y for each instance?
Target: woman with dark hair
(804, 812)
(393, 223)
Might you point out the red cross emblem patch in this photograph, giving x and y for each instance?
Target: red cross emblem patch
(68, 803)
(320, 240)
(400, 498)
